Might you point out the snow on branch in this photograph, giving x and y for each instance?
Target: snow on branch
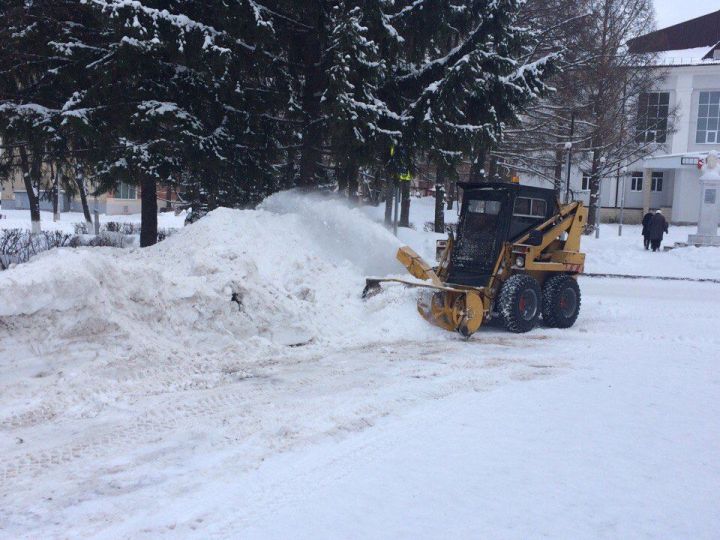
(183, 23)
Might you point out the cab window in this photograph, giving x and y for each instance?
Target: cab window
(484, 207)
(529, 207)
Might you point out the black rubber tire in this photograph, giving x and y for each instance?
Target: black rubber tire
(516, 303)
(561, 301)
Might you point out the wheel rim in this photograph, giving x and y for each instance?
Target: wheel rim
(528, 304)
(568, 302)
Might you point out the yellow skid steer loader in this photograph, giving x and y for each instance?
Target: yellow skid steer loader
(516, 255)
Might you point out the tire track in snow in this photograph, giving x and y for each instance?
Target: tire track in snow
(109, 382)
(141, 428)
(238, 400)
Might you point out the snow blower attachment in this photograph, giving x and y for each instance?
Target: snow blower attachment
(516, 256)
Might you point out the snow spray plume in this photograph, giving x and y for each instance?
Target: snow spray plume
(343, 233)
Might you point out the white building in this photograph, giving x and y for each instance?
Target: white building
(689, 56)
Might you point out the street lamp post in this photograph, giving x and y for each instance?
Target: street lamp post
(568, 147)
(598, 200)
(622, 201)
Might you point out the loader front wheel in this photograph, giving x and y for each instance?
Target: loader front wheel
(561, 301)
(520, 303)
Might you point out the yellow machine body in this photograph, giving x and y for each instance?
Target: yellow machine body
(549, 249)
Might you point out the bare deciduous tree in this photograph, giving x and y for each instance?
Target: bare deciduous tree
(597, 99)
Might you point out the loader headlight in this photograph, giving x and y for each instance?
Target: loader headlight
(520, 262)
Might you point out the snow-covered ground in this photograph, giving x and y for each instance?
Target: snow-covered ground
(230, 383)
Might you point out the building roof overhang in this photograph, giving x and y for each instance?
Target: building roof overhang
(689, 43)
(686, 160)
(703, 31)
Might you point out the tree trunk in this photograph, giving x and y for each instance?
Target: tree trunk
(376, 188)
(352, 180)
(404, 204)
(341, 178)
(450, 187)
(290, 176)
(31, 173)
(450, 193)
(389, 193)
(148, 211)
(477, 167)
(493, 174)
(79, 180)
(55, 173)
(559, 162)
(440, 199)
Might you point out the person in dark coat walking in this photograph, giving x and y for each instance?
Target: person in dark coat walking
(646, 228)
(656, 229)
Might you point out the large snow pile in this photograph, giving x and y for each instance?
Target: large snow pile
(288, 273)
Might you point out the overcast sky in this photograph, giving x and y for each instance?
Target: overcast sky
(671, 12)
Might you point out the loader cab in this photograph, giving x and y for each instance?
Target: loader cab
(492, 214)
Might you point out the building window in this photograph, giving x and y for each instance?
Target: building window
(125, 191)
(585, 185)
(708, 129)
(657, 181)
(653, 113)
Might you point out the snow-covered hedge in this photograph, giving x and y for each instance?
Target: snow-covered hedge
(19, 245)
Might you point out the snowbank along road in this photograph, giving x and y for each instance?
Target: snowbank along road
(229, 382)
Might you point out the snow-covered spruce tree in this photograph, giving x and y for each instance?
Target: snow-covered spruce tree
(30, 93)
(176, 99)
(358, 121)
(329, 58)
(429, 31)
(238, 164)
(134, 97)
(24, 130)
(81, 42)
(302, 31)
(422, 33)
(282, 52)
(466, 73)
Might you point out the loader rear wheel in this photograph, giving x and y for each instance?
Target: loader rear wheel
(520, 303)
(561, 301)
